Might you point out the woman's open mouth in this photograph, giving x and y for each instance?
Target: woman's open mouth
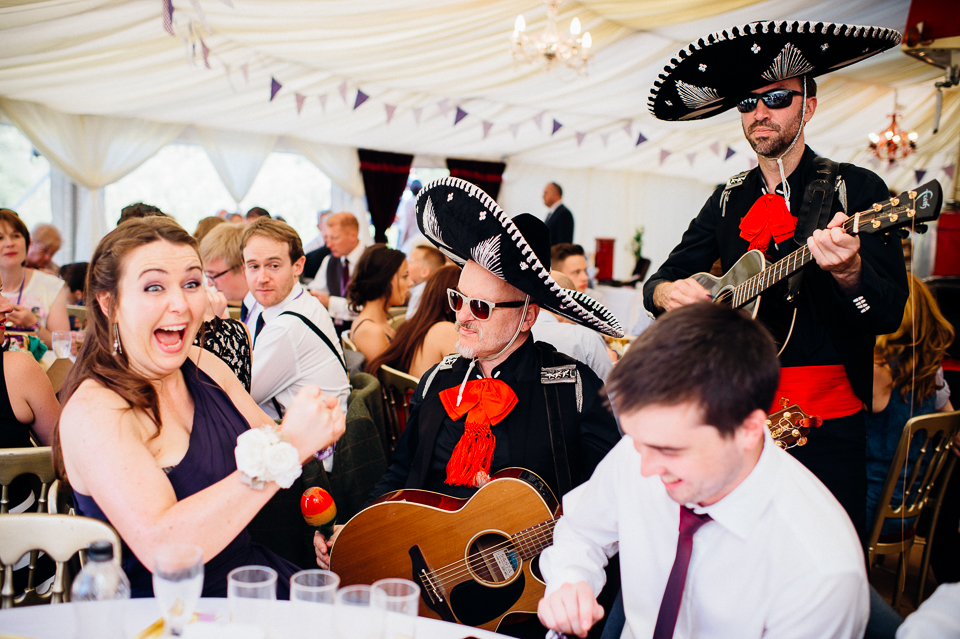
(170, 338)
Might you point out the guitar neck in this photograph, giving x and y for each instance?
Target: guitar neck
(533, 540)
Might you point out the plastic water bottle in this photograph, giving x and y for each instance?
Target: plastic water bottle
(98, 593)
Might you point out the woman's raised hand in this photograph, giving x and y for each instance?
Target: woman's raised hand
(313, 421)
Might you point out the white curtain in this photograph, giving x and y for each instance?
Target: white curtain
(236, 156)
(93, 151)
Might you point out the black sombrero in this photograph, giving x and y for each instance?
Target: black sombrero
(711, 75)
(466, 224)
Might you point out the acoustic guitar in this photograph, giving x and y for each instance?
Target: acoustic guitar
(474, 559)
(742, 285)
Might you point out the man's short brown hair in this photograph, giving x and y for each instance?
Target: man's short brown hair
(223, 242)
(560, 252)
(346, 220)
(277, 231)
(431, 257)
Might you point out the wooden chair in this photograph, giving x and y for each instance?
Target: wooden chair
(58, 372)
(934, 434)
(397, 388)
(60, 499)
(25, 461)
(394, 311)
(234, 312)
(61, 537)
(926, 540)
(77, 315)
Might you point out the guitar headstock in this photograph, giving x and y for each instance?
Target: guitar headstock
(789, 426)
(913, 208)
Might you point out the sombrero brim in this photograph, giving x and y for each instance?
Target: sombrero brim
(467, 224)
(711, 75)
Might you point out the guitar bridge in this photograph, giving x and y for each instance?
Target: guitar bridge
(431, 589)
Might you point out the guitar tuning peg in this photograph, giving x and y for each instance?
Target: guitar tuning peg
(920, 228)
(903, 233)
(784, 402)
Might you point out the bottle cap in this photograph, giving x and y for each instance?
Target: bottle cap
(100, 551)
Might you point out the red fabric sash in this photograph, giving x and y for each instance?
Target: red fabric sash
(486, 402)
(767, 219)
(822, 391)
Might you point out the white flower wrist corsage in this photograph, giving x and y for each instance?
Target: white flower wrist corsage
(264, 456)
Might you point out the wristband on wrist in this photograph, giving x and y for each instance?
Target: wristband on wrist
(263, 455)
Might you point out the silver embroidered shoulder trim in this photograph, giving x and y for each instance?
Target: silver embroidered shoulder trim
(445, 364)
(789, 63)
(566, 374)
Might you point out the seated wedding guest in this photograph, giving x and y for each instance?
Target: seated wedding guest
(294, 343)
(570, 260)
(423, 261)
(138, 210)
(336, 270)
(692, 395)
(206, 225)
(155, 435)
(579, 342)
(317, 250)
(907, 382)
(319, 241)
(381, 280)
(39, 299)
(74, 276)
(255, 213)
(430, 335)
(45, 241)
(223, 264)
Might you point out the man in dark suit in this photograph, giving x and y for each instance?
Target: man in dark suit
(559, 218)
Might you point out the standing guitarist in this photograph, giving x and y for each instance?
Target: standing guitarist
(793, 198)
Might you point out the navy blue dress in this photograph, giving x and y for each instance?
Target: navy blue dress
(216, 425)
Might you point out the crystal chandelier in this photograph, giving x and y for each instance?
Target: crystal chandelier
(549, 47)
(893, 143)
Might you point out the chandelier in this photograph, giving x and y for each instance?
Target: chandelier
(893, 143)
(549, 47)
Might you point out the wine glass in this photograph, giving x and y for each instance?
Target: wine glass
(62, 343)
(250, 589)
(177, 583)
(399, 599)
(353, 615)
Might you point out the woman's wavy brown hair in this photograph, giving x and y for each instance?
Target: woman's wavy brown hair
(915, 350)
(373, 276)
(96, 359)
(410, 336)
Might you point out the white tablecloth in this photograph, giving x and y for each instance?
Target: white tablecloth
(285, 620)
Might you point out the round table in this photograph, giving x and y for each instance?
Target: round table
(283, 619)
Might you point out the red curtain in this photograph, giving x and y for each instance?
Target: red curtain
(384, 179)
(487, 175)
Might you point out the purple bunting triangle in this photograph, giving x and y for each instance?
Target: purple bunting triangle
(580, 137)
(949, 170)
(640, 139)
(556, 127)
(538, 120)
(487, 125)
(443, 106)
(514, 129)
(343, 91)
(664, 154)
(691, 157)
(361, 98)
(390, 108)
(323, 102)
(300, 98)
(715, 147)
(918, 174)
(274, 87)
(628, 128)
(417, 112)
(605, 137)
(461, 114)
(168, 16)
(206, 53)
(730, 153)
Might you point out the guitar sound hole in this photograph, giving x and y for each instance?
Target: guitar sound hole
(493, 559)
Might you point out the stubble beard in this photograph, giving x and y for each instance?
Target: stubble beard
(772, 146)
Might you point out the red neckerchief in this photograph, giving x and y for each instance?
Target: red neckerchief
(767, 219)
(485, 402)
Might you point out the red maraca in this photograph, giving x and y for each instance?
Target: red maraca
(319, 510)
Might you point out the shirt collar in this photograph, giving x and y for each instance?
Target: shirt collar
(354, 255)
(273, 311)
(555, 206)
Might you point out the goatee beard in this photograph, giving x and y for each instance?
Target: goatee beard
(773, 146)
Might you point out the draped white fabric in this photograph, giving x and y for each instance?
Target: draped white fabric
(236, 156)
(340, 163)
(93, 150)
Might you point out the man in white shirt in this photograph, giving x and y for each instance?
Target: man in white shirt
(294, 343)
(423, 261)
(330, 284)
(762, 548)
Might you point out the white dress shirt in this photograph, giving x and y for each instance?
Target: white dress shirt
(780, 558)
(338, 308)
(579, 342)
(936, 618)
(416, 291)
(288, 355)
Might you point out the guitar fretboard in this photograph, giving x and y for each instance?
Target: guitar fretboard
(531, 542)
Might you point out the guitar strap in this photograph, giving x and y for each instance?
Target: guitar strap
(550, 377)
(815, 211)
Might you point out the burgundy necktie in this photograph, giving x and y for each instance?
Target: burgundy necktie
(690, 523)
(345, 275)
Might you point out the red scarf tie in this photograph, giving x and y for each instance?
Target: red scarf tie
(767, 219)
(486, 402)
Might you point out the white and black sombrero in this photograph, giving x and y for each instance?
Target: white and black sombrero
(466, 224)
(711, 75)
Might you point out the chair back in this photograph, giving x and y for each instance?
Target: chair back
(348, 344)
(395, 311)
(397, 387)
(396, 321)
(78, 316)
(25, 461)
(931, 437)
(60, 536)
(234, 312)
(58, 372)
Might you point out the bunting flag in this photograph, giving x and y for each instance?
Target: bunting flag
(206, 53)
(201, 15)
(556, 127)
(389, 108)
(691, 157)
(538, 119)
(323, 102)
(514, 129)
(444, 106)
(664, 154)
(343, 91)
(580, 137)
(949, 170)
(752, 163)
(461, 114)
(300, 99)
(918, 174)
(605, 137)
(361, 98)
(487, 125)
(640, 139)
(715, 148)
(730, 153)
(274, 87)
(417, 112)
(168, 16)
(245, 70)
(628, 127)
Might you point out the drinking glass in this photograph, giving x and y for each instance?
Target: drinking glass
(177, 583)
(318, 586)
(354, 617)
(399, 599)
(62, 343)
(250, 589)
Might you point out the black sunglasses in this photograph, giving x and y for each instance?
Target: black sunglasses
(480, 309)
(774, 99)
